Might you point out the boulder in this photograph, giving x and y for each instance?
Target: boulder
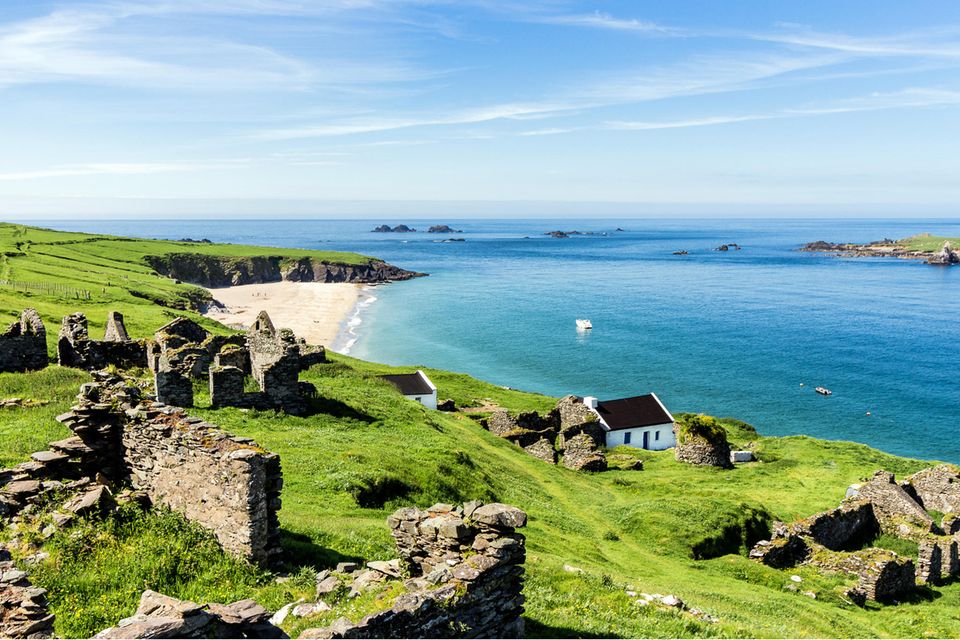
(96, 501)
(499, 516)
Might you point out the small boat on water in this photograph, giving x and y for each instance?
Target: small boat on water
(583, 324)
(824, 391)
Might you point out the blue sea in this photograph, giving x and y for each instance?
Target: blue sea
(746, 333)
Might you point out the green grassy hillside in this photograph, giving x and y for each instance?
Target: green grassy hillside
(55, 271)
(670, 528)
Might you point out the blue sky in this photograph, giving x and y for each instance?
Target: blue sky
(346, 107)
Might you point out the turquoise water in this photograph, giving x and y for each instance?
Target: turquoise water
(727, 333)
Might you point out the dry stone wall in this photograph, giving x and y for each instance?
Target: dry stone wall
(937, 488)
(466, 576)
(160, 616)
(23, 607)
(571, 431)
(880, 505)
(226, 484)
(701, 451)
(76, 349)
(23, 346)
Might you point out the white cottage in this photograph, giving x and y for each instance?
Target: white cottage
(641, 421)
(415, 386)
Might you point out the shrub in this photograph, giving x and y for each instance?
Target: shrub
(701, 427)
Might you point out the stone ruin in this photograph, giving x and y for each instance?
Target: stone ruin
(76, 349)
(228, 485)
(834, 540)
(185, 351)
(23, 346)
(702, 447)
(23, 607)
(160, 616)
(571, 430)
(465, 568)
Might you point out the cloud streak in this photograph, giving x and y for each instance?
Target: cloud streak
(119, 169)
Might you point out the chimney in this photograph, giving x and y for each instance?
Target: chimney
(591, 402)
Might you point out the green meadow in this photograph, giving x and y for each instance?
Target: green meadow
(366, 451)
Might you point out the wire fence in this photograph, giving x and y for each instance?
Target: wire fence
(49, 288)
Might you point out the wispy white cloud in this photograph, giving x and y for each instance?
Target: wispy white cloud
(111, 44)
(939, 42)
(907, 99)
(371, 125)
(601, 20)
(120, 169)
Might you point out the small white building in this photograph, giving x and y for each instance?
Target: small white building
(641, 421)
(415, 386)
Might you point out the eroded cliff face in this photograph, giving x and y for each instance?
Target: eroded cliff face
(220, 271)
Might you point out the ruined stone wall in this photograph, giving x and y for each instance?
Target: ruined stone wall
(937, 488)
(76, 349)
(570, 430)
(893, 506)
(23, 607)
(23, 346)
(226, 484)
(466, 565)
(160, 616)
(837, 528)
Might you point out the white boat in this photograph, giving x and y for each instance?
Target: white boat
(584, 324)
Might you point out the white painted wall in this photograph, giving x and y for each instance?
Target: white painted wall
(666, 439)
(430, 400)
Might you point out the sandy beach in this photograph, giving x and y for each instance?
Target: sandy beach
(314, 311)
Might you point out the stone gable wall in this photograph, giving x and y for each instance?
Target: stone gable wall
(76, 349)
(23, 346)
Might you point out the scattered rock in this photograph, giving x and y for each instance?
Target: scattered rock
(309, 609)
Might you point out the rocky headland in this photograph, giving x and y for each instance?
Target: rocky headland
(908, 249)
(219, 271)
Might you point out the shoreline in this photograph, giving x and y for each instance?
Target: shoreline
(347, 335)
(320, 313)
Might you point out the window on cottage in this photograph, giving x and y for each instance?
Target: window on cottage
(656, 436)
(626, 437)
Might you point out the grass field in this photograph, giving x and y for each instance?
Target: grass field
(671, 528)
(927, 242)
(55, 270)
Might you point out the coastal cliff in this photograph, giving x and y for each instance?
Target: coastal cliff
(221, 271)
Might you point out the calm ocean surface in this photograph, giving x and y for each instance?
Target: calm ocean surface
(727, 333)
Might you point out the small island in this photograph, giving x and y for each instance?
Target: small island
(443, 228)
(400, 228)
(567, 234)
(936, 250)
